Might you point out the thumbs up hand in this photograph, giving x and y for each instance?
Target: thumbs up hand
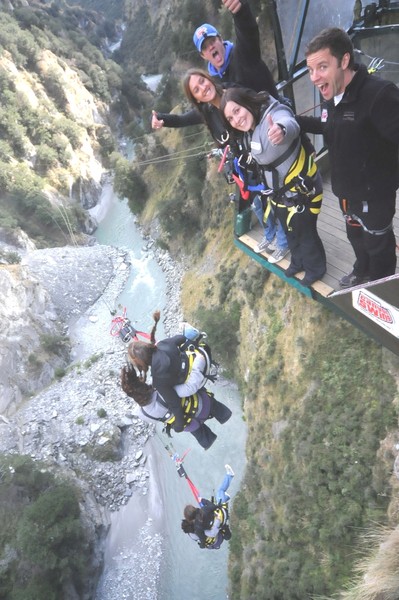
(275, 132)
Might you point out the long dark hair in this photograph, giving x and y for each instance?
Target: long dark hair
(249, 99)
(134, 387)
(186, 86)
(140, 353)
(187, 526)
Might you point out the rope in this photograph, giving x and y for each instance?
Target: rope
(179, 465)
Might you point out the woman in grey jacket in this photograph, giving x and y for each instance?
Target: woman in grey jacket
(292, 182)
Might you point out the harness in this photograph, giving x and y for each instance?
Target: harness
(299, 181)
(191, 405)
(355, 221)
(222, 514)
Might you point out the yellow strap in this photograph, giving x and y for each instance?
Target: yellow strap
(267, 211)
(189, 405)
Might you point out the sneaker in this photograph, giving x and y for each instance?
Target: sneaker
(352, 279)
(265, 246)
(278, 255)
(229, 470)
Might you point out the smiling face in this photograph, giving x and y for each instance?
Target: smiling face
(202, 89)
(213, 51)
(330, 77)
(238, 116)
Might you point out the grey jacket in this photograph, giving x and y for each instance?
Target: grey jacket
(264, 153)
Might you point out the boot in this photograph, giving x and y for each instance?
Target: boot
(220, 411)
(204, 436)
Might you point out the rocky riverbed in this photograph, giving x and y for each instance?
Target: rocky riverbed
(82, 424)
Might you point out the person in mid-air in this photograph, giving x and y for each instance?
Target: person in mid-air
(208, 523)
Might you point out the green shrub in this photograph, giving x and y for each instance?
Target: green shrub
(50, 536)
(54, 343)
(59, 372)
(222, 326)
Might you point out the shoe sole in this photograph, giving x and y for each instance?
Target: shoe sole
(274, 261)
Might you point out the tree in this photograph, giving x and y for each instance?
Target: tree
(50, 535)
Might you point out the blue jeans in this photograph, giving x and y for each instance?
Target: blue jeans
(272, 227)
(221, 495)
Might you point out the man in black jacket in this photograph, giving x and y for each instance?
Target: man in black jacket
(360, 124)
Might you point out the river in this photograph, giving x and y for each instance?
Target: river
(182, 570)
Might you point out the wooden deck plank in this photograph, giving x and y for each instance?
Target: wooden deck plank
(331, 227)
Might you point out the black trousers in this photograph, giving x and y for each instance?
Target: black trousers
(204, 435)
(375, 254)
(307, 250)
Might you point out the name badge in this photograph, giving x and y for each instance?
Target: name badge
(256, 146)
(324, 115)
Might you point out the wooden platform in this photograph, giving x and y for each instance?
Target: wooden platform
(331, 227)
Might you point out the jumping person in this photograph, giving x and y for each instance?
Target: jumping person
(208, 524)
(272, 139)
(196, 408)
(360, 124)
(171, 363)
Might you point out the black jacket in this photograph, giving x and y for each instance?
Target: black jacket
(362, 136)
(208, 115)
(169, 367)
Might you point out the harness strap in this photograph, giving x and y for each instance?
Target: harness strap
(370, 231)
(276, 163)
(355, 221)
(241, 185)
(162, 419)
(189, 406)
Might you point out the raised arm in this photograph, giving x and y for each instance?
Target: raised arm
(247, 46)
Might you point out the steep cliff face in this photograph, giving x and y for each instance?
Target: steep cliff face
(87, 111)
(26, 314)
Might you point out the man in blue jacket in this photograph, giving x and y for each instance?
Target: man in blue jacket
(360, 124)
(240, 63)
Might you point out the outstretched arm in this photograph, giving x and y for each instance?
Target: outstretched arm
(192, 117)
(311, 124)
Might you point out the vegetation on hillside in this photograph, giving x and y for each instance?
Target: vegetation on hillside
(40, 135)
(319, 398)
(42, 542)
